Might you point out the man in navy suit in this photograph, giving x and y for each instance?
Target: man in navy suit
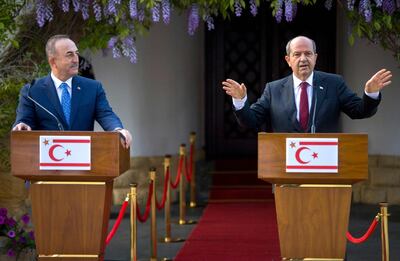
(325, 96)
(41, 103)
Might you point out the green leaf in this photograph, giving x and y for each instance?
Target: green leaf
(351, 39)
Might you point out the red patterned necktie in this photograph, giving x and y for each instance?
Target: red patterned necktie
(304, 114)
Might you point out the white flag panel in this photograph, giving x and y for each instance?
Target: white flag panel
(65, 153)
(312, 155)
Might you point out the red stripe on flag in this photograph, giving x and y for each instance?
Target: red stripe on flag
(70, 141)
(311, 167)
(328, 143)
(65, 164)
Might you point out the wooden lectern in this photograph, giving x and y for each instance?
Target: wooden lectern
(70, 208)
(313, 208)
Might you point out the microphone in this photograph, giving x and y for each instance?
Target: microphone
(314, 110)
(59, 125)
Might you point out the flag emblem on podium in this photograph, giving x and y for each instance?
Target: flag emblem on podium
(64, 152)
(313, 155)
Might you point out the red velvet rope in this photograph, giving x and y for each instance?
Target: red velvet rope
(178, 175)
(365, 236)
(188, 172)
(164, 197)
(191, 159)
(117, 222)
(147, 211)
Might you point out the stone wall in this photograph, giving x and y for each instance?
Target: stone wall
(13, 194)
(383, 184)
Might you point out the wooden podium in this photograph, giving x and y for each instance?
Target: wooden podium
(70, 208)
(313, 208)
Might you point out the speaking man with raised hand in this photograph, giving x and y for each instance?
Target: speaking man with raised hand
(307, 100)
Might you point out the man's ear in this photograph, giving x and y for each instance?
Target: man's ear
(287, 58)
(51, 61)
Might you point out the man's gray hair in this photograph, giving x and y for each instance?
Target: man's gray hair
(290, 41)
(51, 44)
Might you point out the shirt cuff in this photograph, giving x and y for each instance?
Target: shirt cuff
(239, 103)
(372, 95)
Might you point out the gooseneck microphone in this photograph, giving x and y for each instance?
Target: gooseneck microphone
(59, 125)
(314, 110)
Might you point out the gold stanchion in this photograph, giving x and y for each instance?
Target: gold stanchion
(182, 193)
(384, 231)
(133, 221)
(167, 207)
(153, 225)
(193, 170)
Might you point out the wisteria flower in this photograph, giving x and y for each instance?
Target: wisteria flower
(166, 10)
(133, 12)
(194, 19)
(238, 8)
(155, 13)
(253, 7)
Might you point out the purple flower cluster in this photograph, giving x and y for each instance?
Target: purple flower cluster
(129, 49)
(112, 44)
(141, 15)
(279, 11)
(111, 7)
(85, 9)
(17, 237)
(328, 4)
(97, 11)
(76, 5)
(133, 9)
(238, 8)
(64, 5)
(155, 12)
(166, 10)
(350, 5)
(193, 21)
(364, 9)
(289, 10)
(378, 3)
(44, 12)
(210, 22)
(253, 7)
(389, 6)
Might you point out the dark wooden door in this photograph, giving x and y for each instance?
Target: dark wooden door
(251, 50)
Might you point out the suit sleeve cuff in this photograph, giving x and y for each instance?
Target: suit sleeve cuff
(238, 104)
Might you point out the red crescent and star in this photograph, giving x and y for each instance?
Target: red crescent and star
(51, 152)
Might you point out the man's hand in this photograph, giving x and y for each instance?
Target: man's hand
(377, 82)
(234, 89)
(128, 138)
(21, 127)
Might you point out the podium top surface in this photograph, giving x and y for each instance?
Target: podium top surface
(352, 159)
(108, 158)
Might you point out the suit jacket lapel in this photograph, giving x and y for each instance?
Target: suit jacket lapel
(52, 95)
(76, 96)
(288, 100)
(320, 93)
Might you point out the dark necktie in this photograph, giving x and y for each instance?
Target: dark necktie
(66, 101)
(304, 113)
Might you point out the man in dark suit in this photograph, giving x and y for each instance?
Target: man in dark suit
(63, 100)
(307, 100)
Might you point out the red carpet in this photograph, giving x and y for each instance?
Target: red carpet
(239, 223)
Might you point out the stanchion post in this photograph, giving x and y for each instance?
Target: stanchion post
(182, 198)
(167, 208)
(133, 196)
(153, 225)
(193, 171)
(384, 231)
